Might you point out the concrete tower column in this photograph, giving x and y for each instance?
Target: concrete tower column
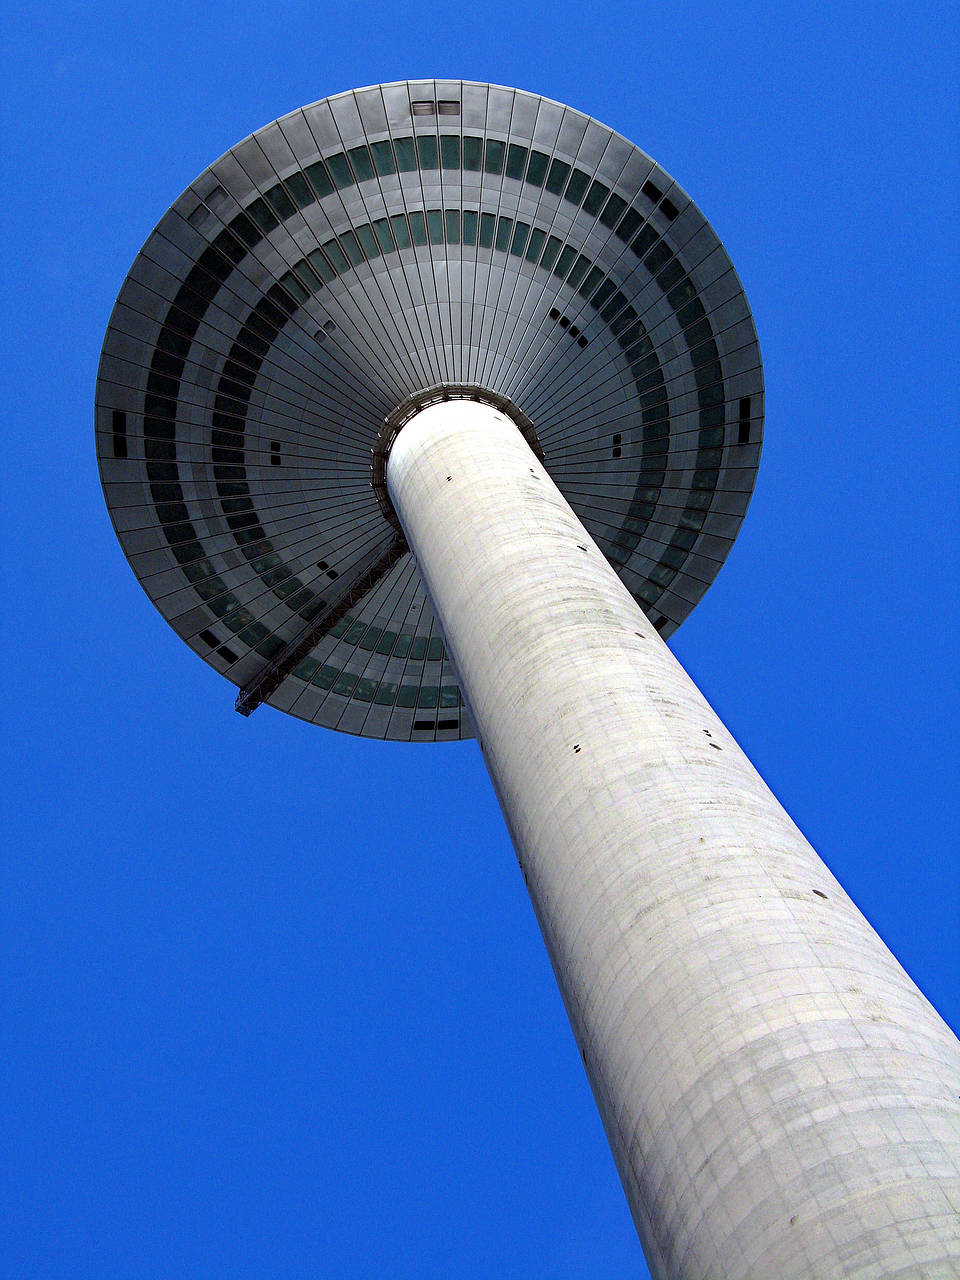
(781, 1100)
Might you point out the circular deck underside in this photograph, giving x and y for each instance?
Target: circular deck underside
(340, 261)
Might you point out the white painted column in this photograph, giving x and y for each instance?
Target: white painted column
(781, 1100)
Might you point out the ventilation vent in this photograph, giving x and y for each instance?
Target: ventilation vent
(743, 435)
(617, 441)
(655, 196)
(572, 329)
(119, 433)
(274, 453)
(444, 107)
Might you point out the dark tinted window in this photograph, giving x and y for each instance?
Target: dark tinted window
(383, 157)
(450, 151)
(516, 160)
(493, 159)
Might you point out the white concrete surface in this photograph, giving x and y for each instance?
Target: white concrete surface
(781, 1100)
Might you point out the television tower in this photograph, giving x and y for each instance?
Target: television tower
(431, 410)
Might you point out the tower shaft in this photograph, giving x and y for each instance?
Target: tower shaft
(780, 1098)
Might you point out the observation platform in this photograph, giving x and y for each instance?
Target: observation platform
(344, 261)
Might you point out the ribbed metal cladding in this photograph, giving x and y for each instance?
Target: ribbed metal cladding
(353, 255)
(780, 1099)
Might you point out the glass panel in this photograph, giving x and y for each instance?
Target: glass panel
(449, 696)
(407, 696)
(429, 696)
(383, 157)
(280, 202)
(325, 677)
(564, 261)
(449, 151)
(365, 690)
(386, 643)
(470, 220)
(595, 197)
(645, 238)
(368, 241)
(516, 160)
(487, 221)
(435, 649)
(418, 227)
(399, 225)
(406, 155)
(308, 277)
(300, 189)
(557, 176)
(383, 233)
(613, 211)
(261, 215)
(354, 632)
(340, 170)
(352, 246)
(520, 233)
(550, 252)
(435, 225)
(386, 695)
(402, 647)
(452, 219)
(537, 168)
(293, 287)
(427, 149)
(537, 238)
(362, 164)
(504, 226)
(594, 277)
(576, 186)
(493, 160)
(472, 153)
(319, 178)
(346, 684)
(336, 256)
(578, 272)
(418, 649)
(320, 264)
(628, 226)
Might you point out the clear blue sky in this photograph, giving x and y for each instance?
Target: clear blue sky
(274, 1003)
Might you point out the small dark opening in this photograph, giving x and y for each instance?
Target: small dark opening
(321, 564)
(743, 435)
(447, 724)
(331, 573)
(581, 546)
(617, 439)
(274, 453)
(820, 893)
(564, 322)
(554, 313)
(209, 638)
(119, 433)
(661, 623)
(574, 331)
(576, 747)
(227, 654)
(652, 192)
(424, 724)
(581, 341)
(669, 208)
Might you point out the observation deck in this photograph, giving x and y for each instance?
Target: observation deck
(426, 237)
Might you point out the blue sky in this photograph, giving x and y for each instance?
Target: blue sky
(274, 1002)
